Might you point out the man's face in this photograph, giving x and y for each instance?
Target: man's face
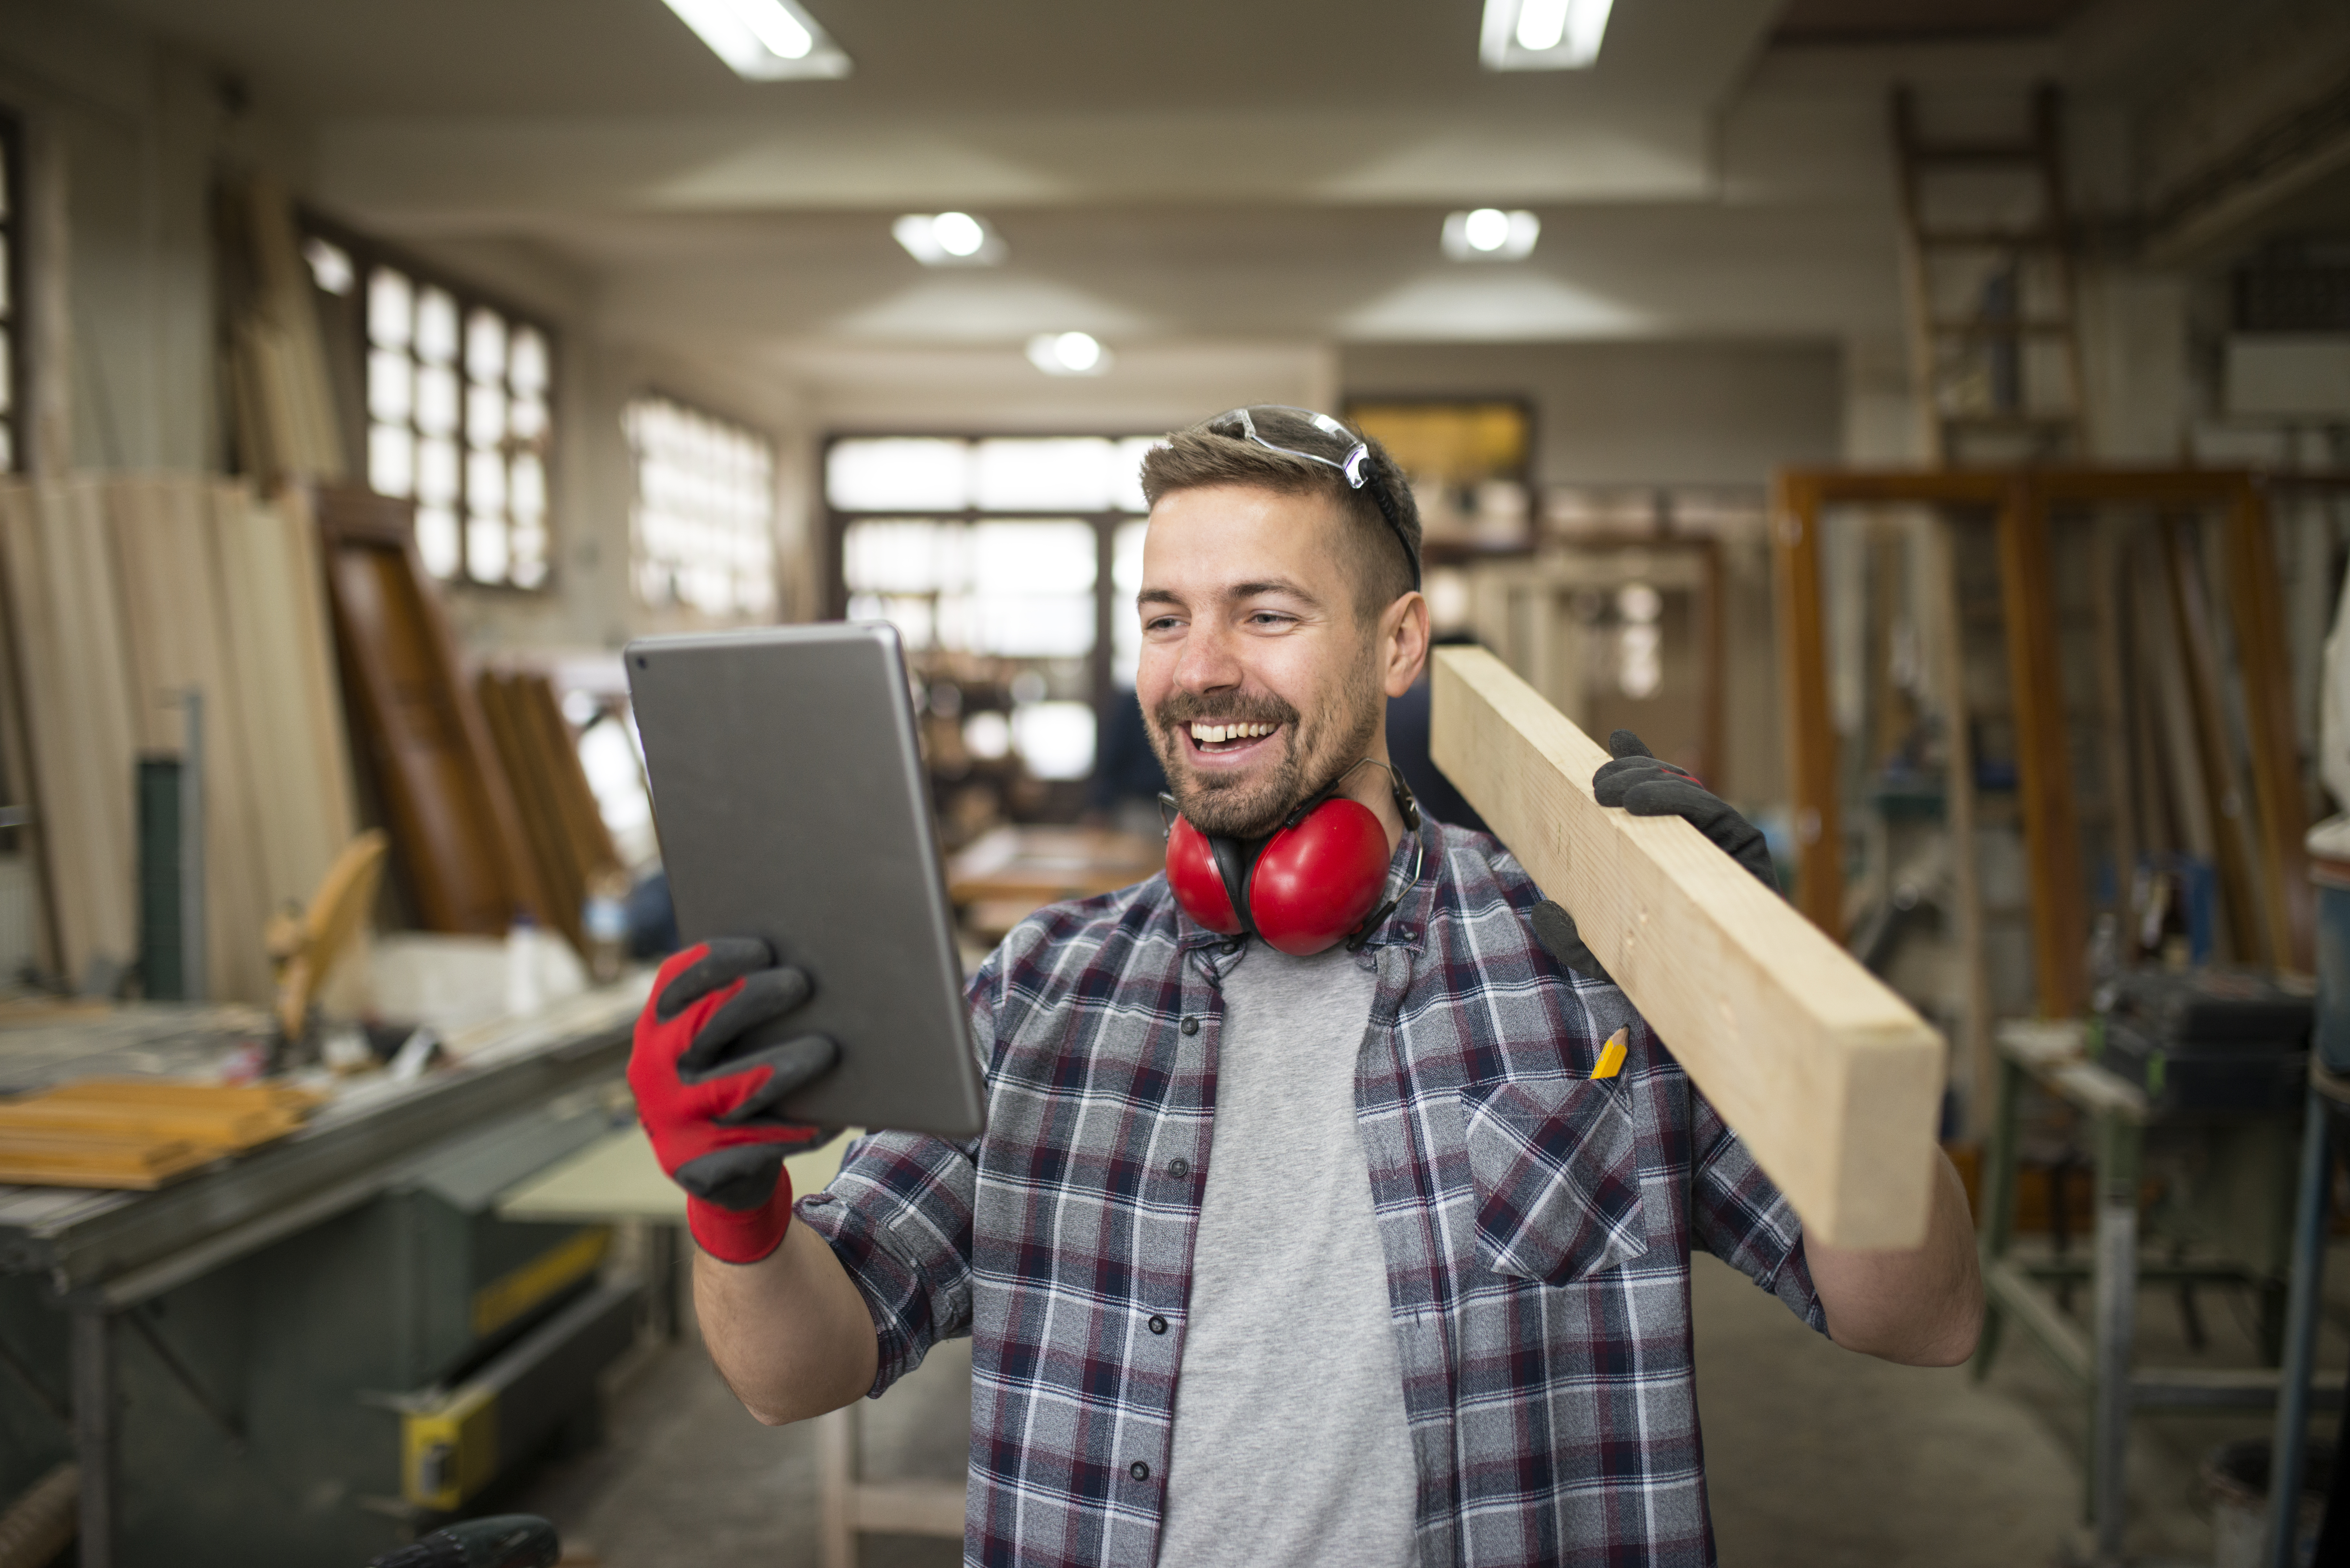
(1259, 680)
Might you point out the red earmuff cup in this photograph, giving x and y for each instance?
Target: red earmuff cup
(1199, 887)
(1314, 883)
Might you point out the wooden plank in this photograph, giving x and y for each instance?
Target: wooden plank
(222, 1129)
(66, 636)
(2051, 827)
(278, 659)
(2240, 869)
(1830, 1078)
(502, 703)
(2254, 594)
(454, 823)
(94, 1160)
(1804, 687)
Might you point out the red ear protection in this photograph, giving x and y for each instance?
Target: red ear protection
(1303, 890)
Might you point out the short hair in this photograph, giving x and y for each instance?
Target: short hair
(1199, 457)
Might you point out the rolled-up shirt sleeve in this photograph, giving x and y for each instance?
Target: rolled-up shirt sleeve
(1741, 1216)
(899, 1217)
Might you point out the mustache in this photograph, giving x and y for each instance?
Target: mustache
(1180, 707)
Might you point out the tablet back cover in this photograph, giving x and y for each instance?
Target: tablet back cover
(789, 795)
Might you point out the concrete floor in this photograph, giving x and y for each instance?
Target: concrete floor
(1817, 1457)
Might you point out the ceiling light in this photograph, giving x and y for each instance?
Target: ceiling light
(763, 40)
(1490, 233)
(949, 239)
(1541, 34)
(958, 233)
(1068, 354)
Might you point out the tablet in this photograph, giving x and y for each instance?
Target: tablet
(792, 805)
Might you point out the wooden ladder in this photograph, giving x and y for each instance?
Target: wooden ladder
(1995, 349)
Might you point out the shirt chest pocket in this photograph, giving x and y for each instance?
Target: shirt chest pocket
(1556, 1164)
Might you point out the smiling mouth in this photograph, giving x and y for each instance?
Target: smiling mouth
(1224, 739)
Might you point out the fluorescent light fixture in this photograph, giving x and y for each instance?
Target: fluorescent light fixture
(949, 239)
(763, 40)
(1541, 34)
(1068, 354)
(1489, 233)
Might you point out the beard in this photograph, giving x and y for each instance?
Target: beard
(1314, 755)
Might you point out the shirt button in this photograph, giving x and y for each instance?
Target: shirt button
(1191, 1026)
(1179, 1169)
(1230, 947)
(1158, 1323)
(1139, 1470)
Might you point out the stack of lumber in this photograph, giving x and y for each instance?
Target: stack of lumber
(565, 829)
(121, 594)
(138, 1134)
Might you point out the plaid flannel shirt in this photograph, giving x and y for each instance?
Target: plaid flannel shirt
(1536, 1224)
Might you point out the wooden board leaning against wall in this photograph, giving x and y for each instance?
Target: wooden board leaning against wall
(121, 594)
(2172, 731)
(457, 831)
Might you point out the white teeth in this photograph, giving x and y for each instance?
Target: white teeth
(1215, 734)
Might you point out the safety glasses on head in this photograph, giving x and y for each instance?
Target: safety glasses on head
(1357, 466)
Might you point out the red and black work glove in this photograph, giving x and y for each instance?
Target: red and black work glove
(709, 1102)
(1645, 786)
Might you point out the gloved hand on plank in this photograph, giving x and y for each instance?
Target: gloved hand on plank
(1639, 782)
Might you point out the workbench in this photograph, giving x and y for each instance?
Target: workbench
(517, 1096)
(2102, 1360)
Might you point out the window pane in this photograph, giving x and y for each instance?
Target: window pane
(436, 540)
(1015, 475)
(392, 385)
(901, 558)
(1055, 738)
(485, 549)
(703, 519)
(1126, 472)
(485, 415)
(330, 264)
(486, 483)
(485, 347)
(526, 371)
(528, 419)
(436, 401)
(527, 494)
(1030, 627)
(436, 327)
(391, 460)
(899, 474)
(436, 471)
(391, 309)
(1033, 559)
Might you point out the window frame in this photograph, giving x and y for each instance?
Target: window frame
(367, 252)
(1105, 524)
(656, 392)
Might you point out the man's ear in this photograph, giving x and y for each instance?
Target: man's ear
(1403, 641)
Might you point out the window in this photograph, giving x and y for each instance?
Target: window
(458, 420)
(702, 529)
(1000, 560)
(12, 452)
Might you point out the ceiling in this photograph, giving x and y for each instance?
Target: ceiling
(1224, 172)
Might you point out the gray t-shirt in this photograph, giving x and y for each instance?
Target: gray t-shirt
(1290, 1448)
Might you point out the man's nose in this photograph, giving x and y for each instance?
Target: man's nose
(1207, 662)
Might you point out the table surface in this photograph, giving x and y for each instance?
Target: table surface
(373, 1133)
(1049, 863)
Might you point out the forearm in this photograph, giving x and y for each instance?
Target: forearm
(789, 1333)
(1922, 1307)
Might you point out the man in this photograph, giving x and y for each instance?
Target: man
(1373, 1256)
